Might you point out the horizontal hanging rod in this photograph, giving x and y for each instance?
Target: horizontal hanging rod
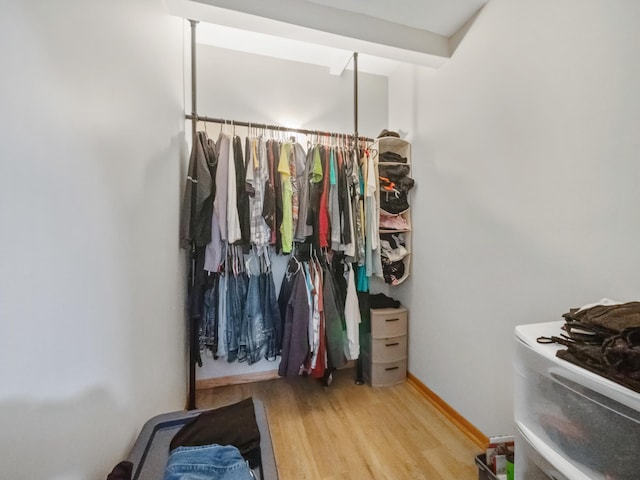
(280, 128)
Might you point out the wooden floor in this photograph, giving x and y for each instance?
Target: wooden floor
(349, 431)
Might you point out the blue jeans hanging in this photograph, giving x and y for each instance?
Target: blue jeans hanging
(236, 296)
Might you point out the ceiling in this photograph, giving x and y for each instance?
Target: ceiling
(444, 17)
(326, 32)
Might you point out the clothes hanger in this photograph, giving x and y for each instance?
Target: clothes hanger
(293, 265)
(247, 263)
(266, 259)
(229, 260)
(238, 260)
(234, 261)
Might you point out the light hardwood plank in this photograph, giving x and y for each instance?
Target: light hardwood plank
(236, 379)
(458, 420)
(349, 431)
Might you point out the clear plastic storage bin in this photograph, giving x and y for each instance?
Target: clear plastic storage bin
(590, 422)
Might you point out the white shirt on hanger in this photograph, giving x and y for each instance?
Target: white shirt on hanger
(352, 318)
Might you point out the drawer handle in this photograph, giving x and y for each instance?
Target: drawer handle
(392, 319)
(391, 368)
(391, 344)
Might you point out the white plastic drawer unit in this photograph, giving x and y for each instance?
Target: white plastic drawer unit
(590, 422)
(537, 461)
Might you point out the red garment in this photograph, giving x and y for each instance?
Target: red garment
(324, 226)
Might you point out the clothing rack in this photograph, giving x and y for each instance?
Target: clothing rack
(192, 329)
(277, 128)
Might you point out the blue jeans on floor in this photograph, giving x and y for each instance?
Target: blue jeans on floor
(208, 462)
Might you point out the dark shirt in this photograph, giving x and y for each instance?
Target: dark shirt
(295, 342)
(197, 206)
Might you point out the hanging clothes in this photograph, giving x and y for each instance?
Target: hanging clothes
(208, 327)
(297, 169)
(315, 194)
(358, 210)
(237, 286)
(334, 320)
(344, 197)
(269, 204)
(222, 315)
(295, 343)
(319, 360)
(197, 205)
(278, 185)
(304, 229)
(223, 147)
(324, 226)
(257, 175)
(372, 248)
(242, 196)
(257, 331)
(349, 186)
(214, 253)
(352, 318)
(315, 340)
(234, 231)
(314, 284)
(284, 169)
(272, 315)
(286, 289)
(272, 195)
(195, 226)
(333, 202)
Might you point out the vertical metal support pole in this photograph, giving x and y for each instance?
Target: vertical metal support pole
(359, 373)
(192, 327)
(355, 96)
(194, 107)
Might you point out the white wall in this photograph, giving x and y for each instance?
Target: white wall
(240, 86)
(256, 88)
(91, 309)
(525, 153)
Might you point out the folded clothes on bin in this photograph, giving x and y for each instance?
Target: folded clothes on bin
(122, 471)
(380, 300)
(151, 450)
(230, 425)
(604, 338)
(208, 462)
